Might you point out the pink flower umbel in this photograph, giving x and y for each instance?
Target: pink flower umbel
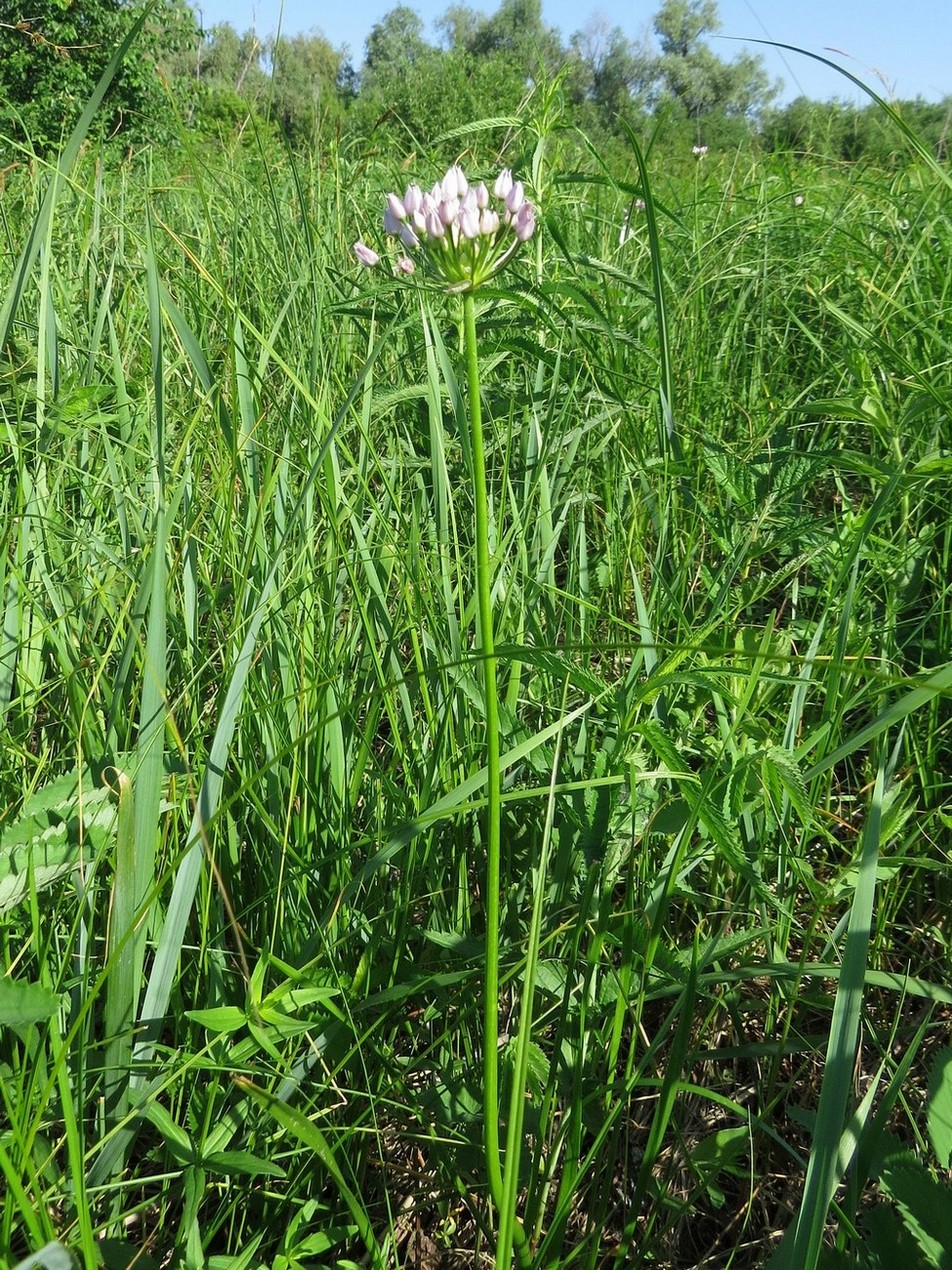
(461, 234)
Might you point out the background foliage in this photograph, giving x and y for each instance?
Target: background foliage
(409, 91)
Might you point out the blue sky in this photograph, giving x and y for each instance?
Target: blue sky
(902, 44)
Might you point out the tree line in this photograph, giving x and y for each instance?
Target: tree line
(408, 90)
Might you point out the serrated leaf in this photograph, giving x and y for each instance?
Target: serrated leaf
(925, 1207)
(781, 764)
(888, 1243)
(74, 813)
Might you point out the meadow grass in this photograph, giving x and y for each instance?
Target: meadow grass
(244, 776)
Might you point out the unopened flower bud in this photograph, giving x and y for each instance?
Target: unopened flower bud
(482, 196)
(451, 185)
(515, 198)
(503, 183)
(434, 226)
(396, 208)
(488, 222)
(469, 222)
(413, 199)
(366, 255)
(525, 222)
(449, 210)
(408, 237)
(405, 264)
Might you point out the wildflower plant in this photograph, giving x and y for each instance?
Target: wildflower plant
(462, 236)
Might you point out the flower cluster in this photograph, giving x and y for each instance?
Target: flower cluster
(461, 232)
(699, 151)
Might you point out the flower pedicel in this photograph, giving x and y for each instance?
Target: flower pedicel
(460, 232)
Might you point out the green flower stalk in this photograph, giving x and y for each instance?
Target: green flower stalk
(462, 236)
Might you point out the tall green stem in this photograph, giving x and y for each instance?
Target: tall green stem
(509, 1231)
(487, 650)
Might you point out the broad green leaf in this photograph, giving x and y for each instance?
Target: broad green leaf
(24, 1003)
(939, 1111)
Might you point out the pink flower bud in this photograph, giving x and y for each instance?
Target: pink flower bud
(454, 184)
(434, 226)
(515, 198)
(469, 222)
(449, 210)
(488, 222)
(366, 255)
(413, 199)
(482, 196)
(405, 264)
(525, 222)
(390, 222)
(503, 183)
(396, 208)
(408, 237)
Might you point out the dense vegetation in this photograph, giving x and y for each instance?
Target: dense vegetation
(243, 807)
(407, 91)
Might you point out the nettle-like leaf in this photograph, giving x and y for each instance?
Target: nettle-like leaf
(63, 822)
(782, 776)
(924, 1205)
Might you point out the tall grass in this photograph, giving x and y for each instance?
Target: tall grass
(243, 779)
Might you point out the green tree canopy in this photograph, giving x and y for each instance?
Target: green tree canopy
(689, 72)
(52, 55)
